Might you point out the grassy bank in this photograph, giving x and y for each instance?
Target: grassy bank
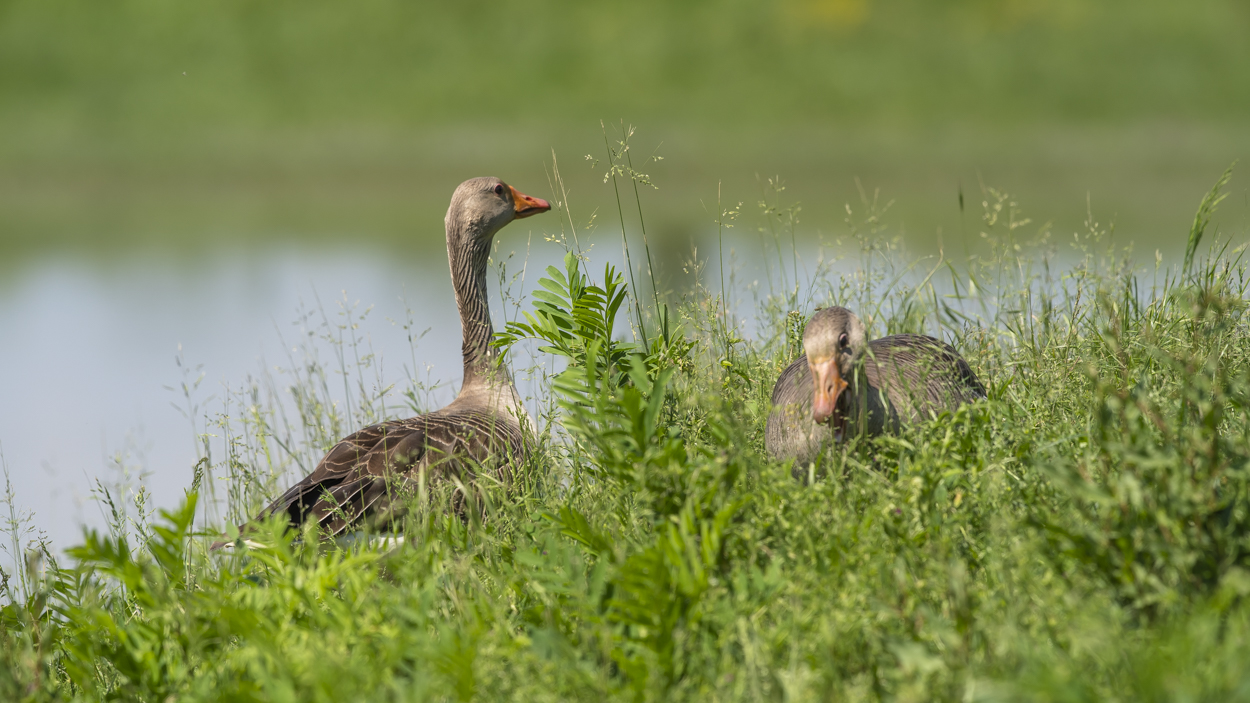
(1083, 534)
(130, 67)
(385, 190)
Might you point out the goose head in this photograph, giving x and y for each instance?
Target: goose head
(481, 206)
(833, 340)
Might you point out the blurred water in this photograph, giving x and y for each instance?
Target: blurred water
(88, 357)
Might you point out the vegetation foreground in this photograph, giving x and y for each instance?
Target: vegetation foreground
(1082, 534)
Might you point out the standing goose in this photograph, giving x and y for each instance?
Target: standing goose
(869, 386)
(481, 428)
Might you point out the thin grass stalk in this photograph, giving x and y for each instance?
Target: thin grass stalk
(558, 180)
(612, 167)
(720, 251)
(642, 223)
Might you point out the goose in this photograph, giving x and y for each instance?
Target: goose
(869, 386)
(482, 428)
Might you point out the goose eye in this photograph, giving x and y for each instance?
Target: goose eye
(498, 189)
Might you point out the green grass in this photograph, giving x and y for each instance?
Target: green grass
(1083, 534)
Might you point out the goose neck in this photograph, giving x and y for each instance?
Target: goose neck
(468, 252)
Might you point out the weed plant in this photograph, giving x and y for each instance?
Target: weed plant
(1082, 534)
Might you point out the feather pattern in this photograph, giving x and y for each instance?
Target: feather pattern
(370, 471)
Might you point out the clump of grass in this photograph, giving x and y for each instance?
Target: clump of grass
(1081, 534)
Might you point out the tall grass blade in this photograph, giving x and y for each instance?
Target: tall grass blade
(1202, 218)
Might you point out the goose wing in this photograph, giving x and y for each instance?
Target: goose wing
(363, 475)
(790, 431)
(921, 375)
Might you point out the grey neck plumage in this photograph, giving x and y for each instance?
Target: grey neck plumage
(468, 248)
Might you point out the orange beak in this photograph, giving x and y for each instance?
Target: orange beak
(526, 205)
(827, 385)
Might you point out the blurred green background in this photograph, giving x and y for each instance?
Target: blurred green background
(180, 126)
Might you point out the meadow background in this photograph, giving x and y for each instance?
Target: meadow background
(213, 204)
(186, 128)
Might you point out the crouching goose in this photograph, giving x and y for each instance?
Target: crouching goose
(482, 428)
(861, 386)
